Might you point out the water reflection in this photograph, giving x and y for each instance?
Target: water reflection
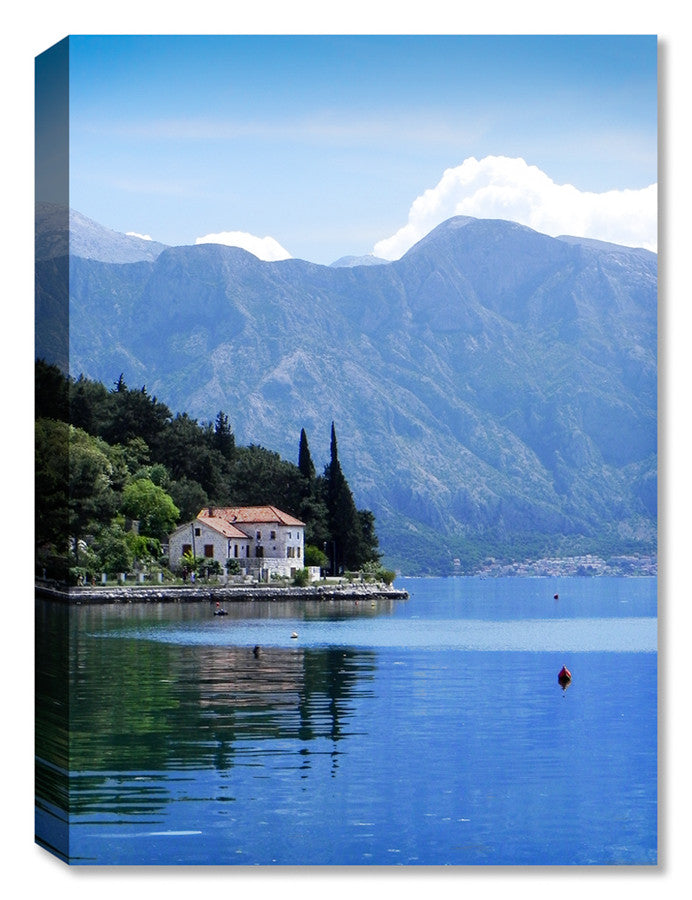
(139, 708)
(427, 735)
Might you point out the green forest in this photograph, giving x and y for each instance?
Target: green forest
(108, 456)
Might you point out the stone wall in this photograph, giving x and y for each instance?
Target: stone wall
(200, 593)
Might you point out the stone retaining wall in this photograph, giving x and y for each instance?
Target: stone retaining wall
(188, 594)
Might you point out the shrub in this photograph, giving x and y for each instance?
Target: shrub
(301, 578)
(386, 575)
(79, 575)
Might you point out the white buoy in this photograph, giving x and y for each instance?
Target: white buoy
(294, 635)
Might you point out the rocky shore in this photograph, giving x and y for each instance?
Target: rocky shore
(226, 594)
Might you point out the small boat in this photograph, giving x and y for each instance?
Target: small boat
(294, 635)
(219, 611)
(564, 676)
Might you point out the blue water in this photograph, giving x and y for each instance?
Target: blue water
(431, 731)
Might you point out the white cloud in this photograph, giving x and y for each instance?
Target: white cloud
(144, 237)
(498, 187)
(265, 248)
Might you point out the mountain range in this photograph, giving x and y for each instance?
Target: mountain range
(494, 391)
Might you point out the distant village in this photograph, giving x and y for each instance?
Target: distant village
(576, 565)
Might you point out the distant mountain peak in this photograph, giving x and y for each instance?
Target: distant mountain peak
(55, 226)
(349, 262)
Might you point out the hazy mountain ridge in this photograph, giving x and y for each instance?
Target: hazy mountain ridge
(87, 238)
(367, 260)
(494, 383)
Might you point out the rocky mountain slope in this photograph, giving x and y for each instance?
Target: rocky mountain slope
(494, 391)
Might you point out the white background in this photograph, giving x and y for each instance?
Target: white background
(29, 871)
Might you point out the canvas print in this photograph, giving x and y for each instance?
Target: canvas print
(346, 450)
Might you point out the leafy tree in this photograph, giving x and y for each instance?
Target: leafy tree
(152, 506)
(315, 557)
(136, 453)
(120, 471)
(369, 551)
(188, 496)
(261, 477)
(186, 453)
(112, 550)
(158, 473)
(92, 500)
(143, 548)
(51, 476)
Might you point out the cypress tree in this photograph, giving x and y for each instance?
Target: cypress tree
(344, 521)
(305, 463)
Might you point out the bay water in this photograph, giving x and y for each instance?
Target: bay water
(423, 732)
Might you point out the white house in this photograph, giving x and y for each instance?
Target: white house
(263, 540)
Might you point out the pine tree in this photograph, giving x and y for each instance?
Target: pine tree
(224, 439)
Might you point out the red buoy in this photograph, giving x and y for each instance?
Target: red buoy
(564, 676)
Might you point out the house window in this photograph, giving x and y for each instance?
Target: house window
(289, 535)
(272, 535)
(187, 549)
(235, 550)
(259, 535)
(259, 552)
(209, 551)
(198, 531)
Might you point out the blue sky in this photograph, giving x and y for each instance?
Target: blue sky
(325, 142)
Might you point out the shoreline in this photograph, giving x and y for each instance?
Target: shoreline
(228, 593)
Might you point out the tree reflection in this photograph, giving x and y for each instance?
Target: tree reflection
(117, 715)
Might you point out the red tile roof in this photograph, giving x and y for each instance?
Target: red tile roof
(221, 525)
(248, 515)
